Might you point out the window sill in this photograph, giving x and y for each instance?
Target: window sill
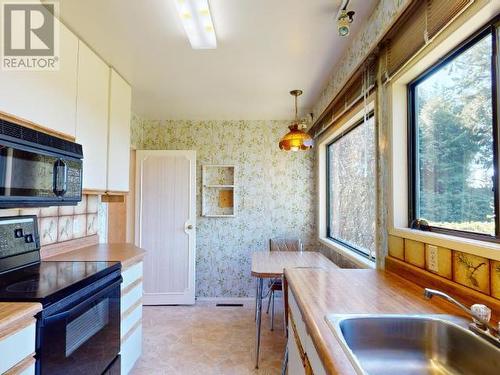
(485, 249)
(359, 260)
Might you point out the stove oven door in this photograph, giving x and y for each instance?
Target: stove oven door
(83, 338)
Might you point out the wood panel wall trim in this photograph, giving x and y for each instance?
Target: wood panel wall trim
(16, 327)
(68, 246)
(31, 125)
(131, 286)
(22, 366)
(427, 279)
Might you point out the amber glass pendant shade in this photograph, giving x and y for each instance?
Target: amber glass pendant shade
(296, 139)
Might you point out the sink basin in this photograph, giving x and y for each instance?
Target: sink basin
(413, 344)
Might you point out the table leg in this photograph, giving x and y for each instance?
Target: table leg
(260, 283)
(256, 296)
(285, 304)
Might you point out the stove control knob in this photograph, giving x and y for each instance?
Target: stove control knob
(28, 238)
(18, 233)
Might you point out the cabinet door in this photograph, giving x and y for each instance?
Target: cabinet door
(295, 366)
(46, 98)
(119, 134)
(92, 117)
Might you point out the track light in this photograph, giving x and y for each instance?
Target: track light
(344, 20)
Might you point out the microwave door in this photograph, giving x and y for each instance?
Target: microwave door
(5, 170)
(25, 174)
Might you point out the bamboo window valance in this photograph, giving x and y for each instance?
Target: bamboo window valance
(420, 23)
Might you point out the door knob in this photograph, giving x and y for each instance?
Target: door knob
(190, 226)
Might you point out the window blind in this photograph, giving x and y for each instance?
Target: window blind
(422, 21)
(353, 92)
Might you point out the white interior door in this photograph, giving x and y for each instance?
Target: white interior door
(165, 225)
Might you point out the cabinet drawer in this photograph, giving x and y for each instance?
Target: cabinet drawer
(131, 274)
(131, 297)
(26, 367)
(297, 316)
(305, 339)
(130, 320)
(16, 347)
(314, 360)
(131, 350)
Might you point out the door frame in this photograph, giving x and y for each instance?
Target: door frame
(188, 297)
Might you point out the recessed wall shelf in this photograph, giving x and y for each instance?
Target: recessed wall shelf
(218, 196)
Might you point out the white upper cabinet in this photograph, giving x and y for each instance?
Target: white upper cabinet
(46, 98)
(120, 99)
(92, 117)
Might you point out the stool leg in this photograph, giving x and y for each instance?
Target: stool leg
(272, 314)
(269, 300)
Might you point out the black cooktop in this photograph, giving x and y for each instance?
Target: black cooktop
(47, 281)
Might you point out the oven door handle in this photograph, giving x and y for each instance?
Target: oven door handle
(92, 301)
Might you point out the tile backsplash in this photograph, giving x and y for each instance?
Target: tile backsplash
(60, 224)
(472, 271)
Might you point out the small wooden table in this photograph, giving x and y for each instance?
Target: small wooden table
(271, 264)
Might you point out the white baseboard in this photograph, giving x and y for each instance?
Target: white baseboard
(243, 300)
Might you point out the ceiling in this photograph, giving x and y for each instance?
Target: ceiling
(265, 49)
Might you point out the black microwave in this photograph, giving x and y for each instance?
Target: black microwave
(37, 169)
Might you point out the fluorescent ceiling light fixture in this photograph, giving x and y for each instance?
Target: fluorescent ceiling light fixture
(197, 21)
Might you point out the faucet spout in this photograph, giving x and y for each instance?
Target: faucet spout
(429, 293)
(478, 321)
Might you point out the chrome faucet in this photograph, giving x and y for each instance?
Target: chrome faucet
(480, 315)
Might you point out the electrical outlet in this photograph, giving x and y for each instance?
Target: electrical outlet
(433, 258)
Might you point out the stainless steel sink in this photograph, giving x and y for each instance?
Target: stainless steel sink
(413, 344)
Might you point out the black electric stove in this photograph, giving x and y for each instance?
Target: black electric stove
(78, 329)
(47, 282)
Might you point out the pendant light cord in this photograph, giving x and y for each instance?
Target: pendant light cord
(296, 111)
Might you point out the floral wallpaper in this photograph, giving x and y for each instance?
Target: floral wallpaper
(275, 194)
(364, 42)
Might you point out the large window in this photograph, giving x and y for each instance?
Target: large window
(351, 188)
(452, 143)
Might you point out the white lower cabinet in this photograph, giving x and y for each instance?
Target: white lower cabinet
(16, 347)
(303, 357)
(131, 321)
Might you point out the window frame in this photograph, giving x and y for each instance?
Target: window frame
(492, 29)
(367, 255)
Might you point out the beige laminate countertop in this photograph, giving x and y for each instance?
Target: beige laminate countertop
(319, 293)
(13, 315)
(126, 254)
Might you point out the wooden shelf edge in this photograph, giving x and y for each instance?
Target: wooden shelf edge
(31, 125)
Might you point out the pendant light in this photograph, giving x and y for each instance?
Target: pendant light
(296, 139)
